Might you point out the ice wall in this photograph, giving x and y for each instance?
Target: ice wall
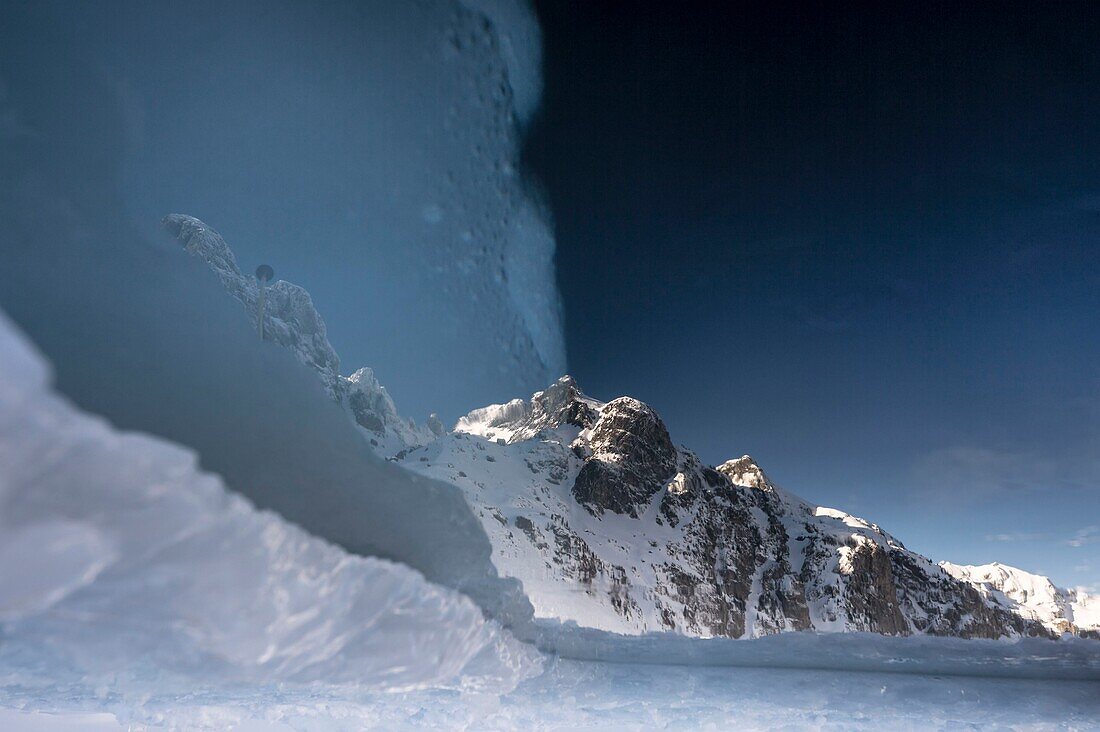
(120, 557)
(368, 150)
(140, 333)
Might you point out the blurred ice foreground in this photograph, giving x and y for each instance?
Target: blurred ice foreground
(116, 552)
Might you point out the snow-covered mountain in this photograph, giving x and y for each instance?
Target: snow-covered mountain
(1033, 596)
(609, 525)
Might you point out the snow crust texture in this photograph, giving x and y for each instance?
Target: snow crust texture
(118, 557)
(574, 695)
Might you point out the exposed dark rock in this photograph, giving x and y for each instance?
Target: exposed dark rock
(872, 596)
(364, 409)
(632, 458)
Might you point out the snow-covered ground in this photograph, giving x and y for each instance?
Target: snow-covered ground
(575, 695)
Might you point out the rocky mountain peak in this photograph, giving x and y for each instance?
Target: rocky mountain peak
(560, 404)
(435, 425)
(744, 471)
(631, 458)
(369, 401)
(373, 409)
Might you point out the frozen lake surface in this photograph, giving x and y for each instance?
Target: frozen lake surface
(588, 695)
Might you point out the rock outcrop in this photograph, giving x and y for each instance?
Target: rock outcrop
(630, 458)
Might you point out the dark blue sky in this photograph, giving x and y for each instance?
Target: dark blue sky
(860, 245)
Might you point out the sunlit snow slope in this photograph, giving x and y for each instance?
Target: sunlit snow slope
(1033, 595)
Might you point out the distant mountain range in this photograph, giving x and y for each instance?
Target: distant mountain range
(609, 525)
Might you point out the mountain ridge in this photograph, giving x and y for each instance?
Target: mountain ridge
(608, 524)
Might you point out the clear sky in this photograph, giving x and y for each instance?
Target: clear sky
(863, 246)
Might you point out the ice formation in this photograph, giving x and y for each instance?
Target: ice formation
(425, 215)
(119, 556)
(369, 151)
(292, 321)
(290, 318)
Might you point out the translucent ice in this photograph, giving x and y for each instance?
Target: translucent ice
(119, 556)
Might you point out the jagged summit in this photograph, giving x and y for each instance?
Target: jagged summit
(373, 409)
(561, 403)
(744, 471)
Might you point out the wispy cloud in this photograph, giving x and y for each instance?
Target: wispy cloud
(1018, 536)
(974, 473)
(977, 474)
(1087, 535)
